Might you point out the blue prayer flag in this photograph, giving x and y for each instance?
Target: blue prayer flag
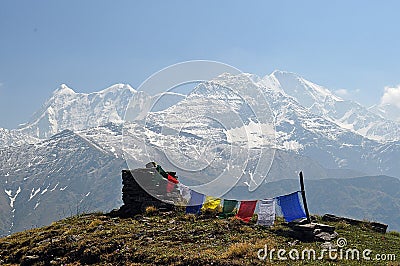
(291, 207)
(195, 202)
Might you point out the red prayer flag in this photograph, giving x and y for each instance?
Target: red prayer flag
(173, 179)
(246, 210)
(171, 183)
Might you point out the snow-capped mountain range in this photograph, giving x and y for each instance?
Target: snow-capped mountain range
(346, 114)
(297, 129)
(67, 109)
(69, 155)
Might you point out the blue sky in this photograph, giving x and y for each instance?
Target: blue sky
(89, 45)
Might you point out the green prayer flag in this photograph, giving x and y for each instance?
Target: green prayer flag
(227, 208)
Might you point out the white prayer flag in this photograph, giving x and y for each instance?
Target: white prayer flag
(184, 191)
(266, 213)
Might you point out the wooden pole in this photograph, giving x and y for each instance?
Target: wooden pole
(303, 195)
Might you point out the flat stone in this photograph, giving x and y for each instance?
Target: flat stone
(312, 226)
(325, 227)
(304, 227)
(324, 236)
(317, 231)
(313, 232)
(328, 245)
(298, 221)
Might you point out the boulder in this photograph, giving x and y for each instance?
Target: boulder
(308, 232)
(378, 227)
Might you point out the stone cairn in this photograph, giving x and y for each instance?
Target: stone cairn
(142, 188)
(308, 232)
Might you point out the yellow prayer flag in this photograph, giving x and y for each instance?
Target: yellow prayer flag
(211, 203)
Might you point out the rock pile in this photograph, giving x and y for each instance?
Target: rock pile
(142, 188)
(308, 232)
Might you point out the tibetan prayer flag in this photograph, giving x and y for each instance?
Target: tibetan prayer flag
(266, 212)
(171, 183)
(227, 208)
(195, 202)
(291, 207)
(184, 191)
(246, 210)
(211, 203)
(172, 179)
(161, 171)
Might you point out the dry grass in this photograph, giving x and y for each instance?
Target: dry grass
(239, 250)
(169, 239)
(342, 225)
(151, 210)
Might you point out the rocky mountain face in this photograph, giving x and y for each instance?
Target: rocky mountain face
(58, 177)
(68, 158)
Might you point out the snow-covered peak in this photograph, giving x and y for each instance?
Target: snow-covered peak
(322, 102)
(306, 92)
(278, 72)
(239, 79)
(252, 77)
(270, 82)
(64, 89)
(66, 109)
(117, 88)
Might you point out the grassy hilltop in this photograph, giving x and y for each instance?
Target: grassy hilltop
(177, 239)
